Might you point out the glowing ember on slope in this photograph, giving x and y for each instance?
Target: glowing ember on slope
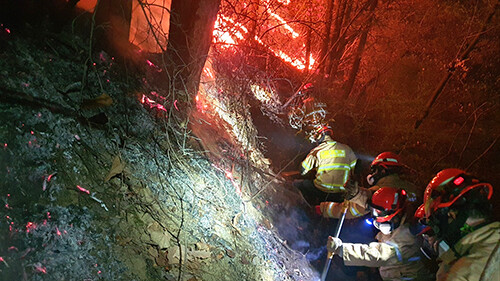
(40, 268)
(50, 177)
(230, 177)
(201, 105)
(83, 189)
(152, 103)
(30, 226)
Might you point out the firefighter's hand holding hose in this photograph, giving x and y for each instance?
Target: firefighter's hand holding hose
(334, 246)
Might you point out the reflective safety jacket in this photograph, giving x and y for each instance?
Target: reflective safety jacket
(334, 210)
(479, 257)
(397, 255)
(333, 161)
(358, 205)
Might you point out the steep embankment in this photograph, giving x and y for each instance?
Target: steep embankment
(97, 186)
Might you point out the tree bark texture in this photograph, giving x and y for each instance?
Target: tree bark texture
(190, 36)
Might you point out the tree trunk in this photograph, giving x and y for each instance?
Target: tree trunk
(359, 51)
(336, 39)
(190, 36)
(326, 40)
(308, 39)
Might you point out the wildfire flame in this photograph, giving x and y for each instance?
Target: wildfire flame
(227, 39)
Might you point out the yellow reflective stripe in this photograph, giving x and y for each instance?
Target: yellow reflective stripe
(329, 187)
(330, 167)
(306, 166)
(329, 210)
(354, 210)
(331, 153)
(346, 176)
(386, 159)
(353, 163)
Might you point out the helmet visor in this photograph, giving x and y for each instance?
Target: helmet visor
(384, 216)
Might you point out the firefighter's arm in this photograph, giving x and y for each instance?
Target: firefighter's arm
(308, 164)
(465, 268)
(335, 210)
(375, 254)
(362, 197)
(352, 161)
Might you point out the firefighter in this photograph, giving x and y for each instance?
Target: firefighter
(334, 163)
(466, 240)
(384, 171)
(397, 253)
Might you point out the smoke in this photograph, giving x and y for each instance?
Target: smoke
(365, 158)
(300, 245)
(315, 254)
(293, 226)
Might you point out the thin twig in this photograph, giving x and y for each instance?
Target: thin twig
(482, 154)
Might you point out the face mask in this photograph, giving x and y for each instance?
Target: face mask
(385, 228)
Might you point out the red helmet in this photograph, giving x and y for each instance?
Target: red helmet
(386, 159)
(447, 187)
(387, 202)
(325, 129)
(318, 133)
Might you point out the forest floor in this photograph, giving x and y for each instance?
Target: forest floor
(96, 187)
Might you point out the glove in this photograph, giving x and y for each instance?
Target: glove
(351, 189)
(334, 245)
(318, 210)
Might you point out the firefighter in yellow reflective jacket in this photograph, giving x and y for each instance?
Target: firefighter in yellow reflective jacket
(397, 254)
(384, 171)
(334, 163)
(458, 210)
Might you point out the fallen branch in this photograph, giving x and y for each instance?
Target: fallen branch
(19, 98)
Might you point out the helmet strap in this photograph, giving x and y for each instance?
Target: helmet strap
(377, 173)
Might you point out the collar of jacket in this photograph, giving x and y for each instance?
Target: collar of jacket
(327, 139)
(488, 234)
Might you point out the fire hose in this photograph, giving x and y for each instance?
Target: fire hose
(329, 255)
